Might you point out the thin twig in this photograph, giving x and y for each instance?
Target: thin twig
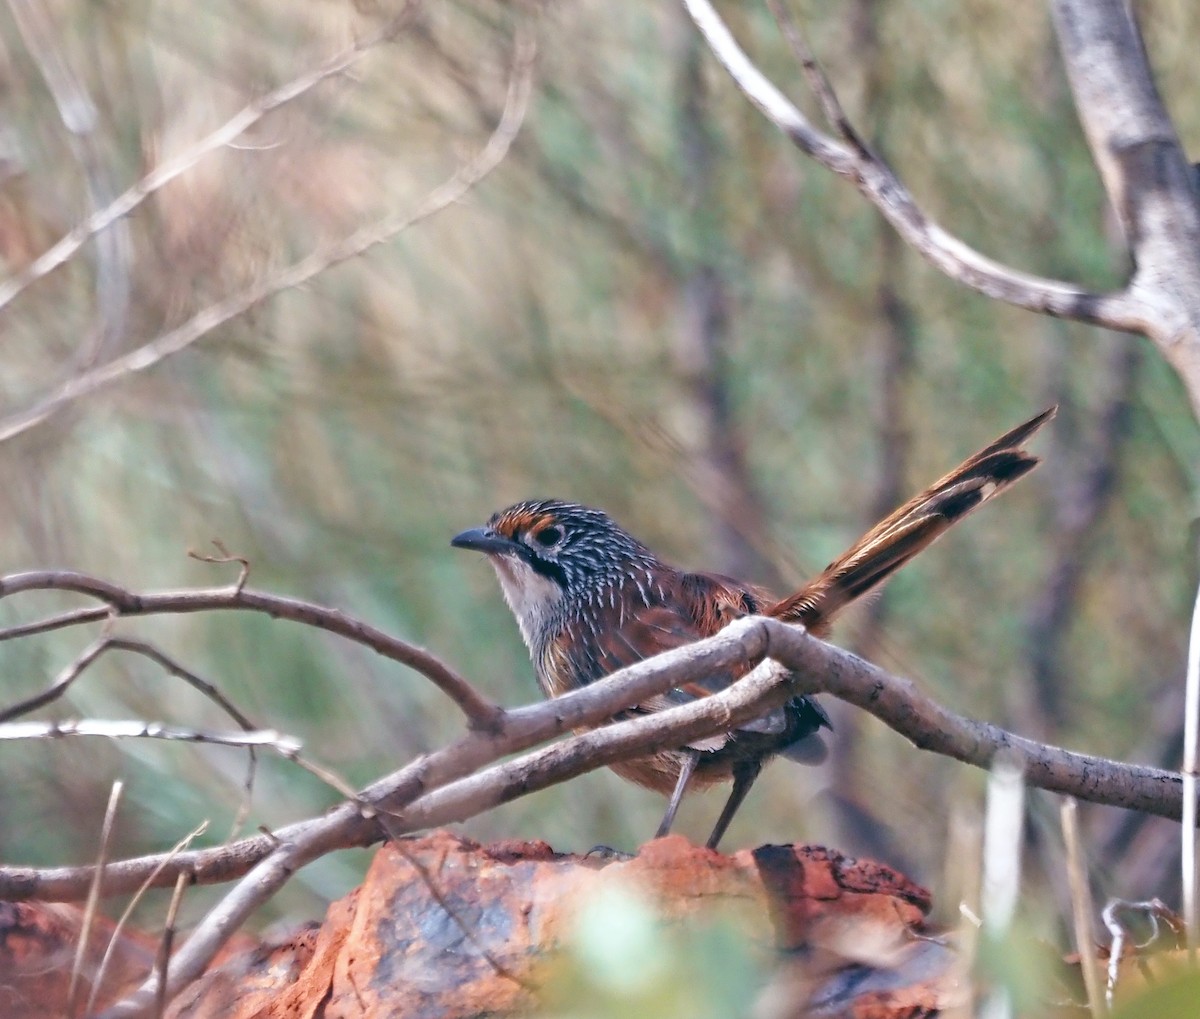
(93, 899)
(225, 557)
(135, 899)
(818, 81)
(62, 682)
(174, 668)
(164, 949)
(76, 617)
(1082, 908)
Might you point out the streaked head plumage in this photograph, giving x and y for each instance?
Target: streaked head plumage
(550, 554)
(565, 542)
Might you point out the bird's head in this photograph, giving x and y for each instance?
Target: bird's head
(547, 550)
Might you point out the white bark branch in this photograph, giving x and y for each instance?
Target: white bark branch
(880, 185)
(1144, 170)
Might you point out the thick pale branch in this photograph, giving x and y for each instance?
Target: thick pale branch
(880, 185)
(827, 669)
(1144, 169)
(764, 688)
(903, 707)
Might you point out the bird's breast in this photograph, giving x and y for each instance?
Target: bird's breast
(555, 667)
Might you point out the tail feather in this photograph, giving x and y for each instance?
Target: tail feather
(911, 528)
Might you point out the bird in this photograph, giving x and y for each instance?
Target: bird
(589, 598)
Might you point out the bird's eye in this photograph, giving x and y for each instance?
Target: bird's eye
(548, 536)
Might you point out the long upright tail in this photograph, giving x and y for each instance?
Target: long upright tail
(911, 528)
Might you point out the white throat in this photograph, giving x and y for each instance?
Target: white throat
(533, 598)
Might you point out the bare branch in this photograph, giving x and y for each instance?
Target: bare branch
(739, 645)
(825, 668)
(480, 711)
(442, 786)
(75, 617)
(280, 743)
(93, 897)
(298, 273)
(225, 556)
(879, 184)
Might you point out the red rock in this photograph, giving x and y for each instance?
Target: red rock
(37, 951)
(443, 927)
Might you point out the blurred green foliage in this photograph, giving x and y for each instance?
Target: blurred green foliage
(534, 340)
(622, 960)
(1172, 995)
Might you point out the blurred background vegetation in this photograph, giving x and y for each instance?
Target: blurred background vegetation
(655, 305)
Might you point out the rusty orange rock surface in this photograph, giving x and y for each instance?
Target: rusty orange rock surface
(444, 927)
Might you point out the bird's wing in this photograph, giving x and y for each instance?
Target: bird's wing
(698, 607)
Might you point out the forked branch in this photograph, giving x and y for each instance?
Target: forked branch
(854, 161)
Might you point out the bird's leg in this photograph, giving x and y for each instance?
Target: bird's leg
(744, 774)
(687, 767)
